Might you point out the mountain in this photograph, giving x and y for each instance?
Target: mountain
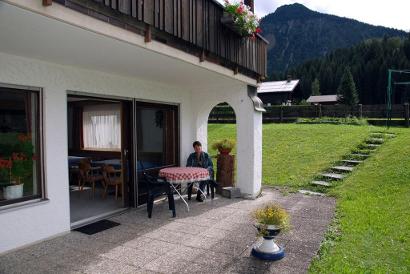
(297, 34)
(368, 62)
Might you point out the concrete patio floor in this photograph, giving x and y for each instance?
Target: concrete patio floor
(213, 237)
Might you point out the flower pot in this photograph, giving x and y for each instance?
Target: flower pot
(225, 151)
(268, 249)
(13, 191)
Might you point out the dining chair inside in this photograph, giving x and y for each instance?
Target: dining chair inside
(87, 175)
(112, 177)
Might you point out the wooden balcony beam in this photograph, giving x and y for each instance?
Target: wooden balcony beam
(47, 3)
(202, 56)
(148, 34)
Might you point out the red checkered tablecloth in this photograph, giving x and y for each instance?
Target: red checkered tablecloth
(178, 175)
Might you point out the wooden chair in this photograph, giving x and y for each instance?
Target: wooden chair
(87, 175)
(112, 177)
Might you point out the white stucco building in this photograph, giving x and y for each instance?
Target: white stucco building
(65, 57)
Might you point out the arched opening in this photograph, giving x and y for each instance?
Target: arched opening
(222, 126)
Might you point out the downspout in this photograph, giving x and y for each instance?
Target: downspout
(257, 102)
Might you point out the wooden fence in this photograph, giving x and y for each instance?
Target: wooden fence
(375, 114)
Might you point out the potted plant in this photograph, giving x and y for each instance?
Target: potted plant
(240, 19)
(17, 168)
(270, 219)
(224, 146)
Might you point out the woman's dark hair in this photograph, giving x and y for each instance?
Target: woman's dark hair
(197, 143)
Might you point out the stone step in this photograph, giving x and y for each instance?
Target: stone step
(355, 162)
(343, 168)
(360, 155)
(372, 146)
(375, 140)
(383, 133)
(333, 176)
(308, 192)
(320, 183)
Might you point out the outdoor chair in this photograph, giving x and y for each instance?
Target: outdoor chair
(88, 176)
(157, 187)
(112, 177)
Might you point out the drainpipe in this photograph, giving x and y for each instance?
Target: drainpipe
(250, 4)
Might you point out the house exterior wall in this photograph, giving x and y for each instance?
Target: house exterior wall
(23, 225)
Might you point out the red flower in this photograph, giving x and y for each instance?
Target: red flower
(258, 30)
(6, 163)
(239, 10)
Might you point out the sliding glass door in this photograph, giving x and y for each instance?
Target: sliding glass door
(157, 140)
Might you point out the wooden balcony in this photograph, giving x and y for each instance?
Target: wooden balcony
(193, 26)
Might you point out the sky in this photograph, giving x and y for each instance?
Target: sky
(392, 13)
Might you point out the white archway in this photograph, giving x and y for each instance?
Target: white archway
(248, 132)
(215, 134)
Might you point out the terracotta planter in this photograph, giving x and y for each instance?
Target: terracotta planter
(225, 151)
(268, 249)
(13, 191)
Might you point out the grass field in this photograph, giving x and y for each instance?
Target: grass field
(371, 232)
(293, 153)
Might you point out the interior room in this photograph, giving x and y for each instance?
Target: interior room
(94, 157)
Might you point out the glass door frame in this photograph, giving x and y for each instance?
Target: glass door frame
(163, 105)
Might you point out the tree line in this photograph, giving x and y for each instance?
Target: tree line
(366, 64)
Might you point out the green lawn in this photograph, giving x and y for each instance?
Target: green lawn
(371, 233)
(373, 220)
(294, 153)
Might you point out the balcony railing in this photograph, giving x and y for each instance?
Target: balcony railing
(193, 26)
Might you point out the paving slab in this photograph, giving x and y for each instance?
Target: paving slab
(213, 237)
(343, 168)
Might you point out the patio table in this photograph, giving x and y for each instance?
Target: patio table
(184, 175)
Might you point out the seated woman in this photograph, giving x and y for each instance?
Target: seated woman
(200, 158)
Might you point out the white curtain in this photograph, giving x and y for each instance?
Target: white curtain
(102, 127)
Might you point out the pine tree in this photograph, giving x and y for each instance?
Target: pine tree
(406, 48)
(347, 89)
(316, 87)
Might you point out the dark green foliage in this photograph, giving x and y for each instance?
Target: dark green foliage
(347, 89)
(406, 48)
(316, 87)
(368, 62)
(297, 34)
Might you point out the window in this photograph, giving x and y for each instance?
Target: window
(20, 153)
(102, 127)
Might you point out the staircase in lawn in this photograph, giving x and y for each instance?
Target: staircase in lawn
(345, 166)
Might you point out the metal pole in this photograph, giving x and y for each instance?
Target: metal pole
(407, 114)
(389, 92)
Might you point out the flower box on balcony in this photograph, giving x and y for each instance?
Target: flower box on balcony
(229, 22)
